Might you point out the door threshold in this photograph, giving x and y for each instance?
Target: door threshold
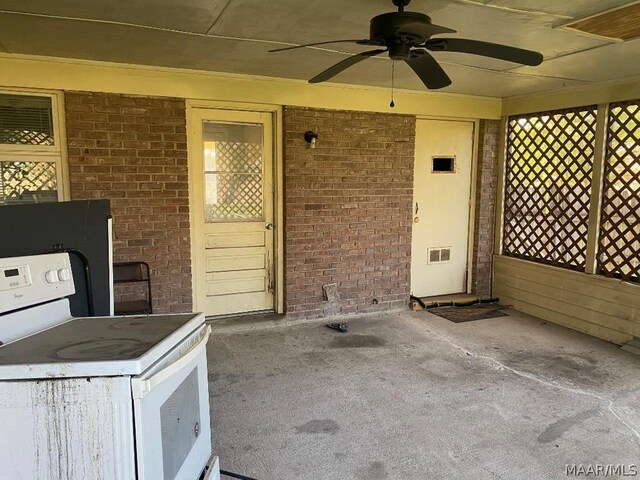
(452, 297)
(230, 316)
(455, 299)
(245, 321)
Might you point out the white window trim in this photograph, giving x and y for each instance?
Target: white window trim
(45, 153)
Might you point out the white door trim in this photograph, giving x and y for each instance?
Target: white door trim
(475, 148)
(278, 199)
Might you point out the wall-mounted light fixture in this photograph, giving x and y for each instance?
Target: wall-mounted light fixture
(311, 138)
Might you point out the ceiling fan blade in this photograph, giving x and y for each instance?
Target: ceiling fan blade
(344, 64)
(429, 71)
(359, 42)
(486, 49)
(424, 30)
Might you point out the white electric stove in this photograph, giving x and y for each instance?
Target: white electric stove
(101, 398)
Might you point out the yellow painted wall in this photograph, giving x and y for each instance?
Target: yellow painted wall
(65, 74)
(628, 89)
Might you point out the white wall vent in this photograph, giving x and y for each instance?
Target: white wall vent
(439, 254)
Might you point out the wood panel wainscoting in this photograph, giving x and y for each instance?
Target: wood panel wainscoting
(603, 307)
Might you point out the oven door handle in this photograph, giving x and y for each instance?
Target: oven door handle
(141, 387)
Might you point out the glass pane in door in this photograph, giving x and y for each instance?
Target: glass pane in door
(233, 164)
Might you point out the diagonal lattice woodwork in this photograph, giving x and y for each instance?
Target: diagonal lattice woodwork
(237, 197)
(619, 245)
(236, 157)
(548, 186)
(25, 137)
(26, 182)
(234, 182)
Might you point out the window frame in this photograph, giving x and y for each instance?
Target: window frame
(56, 153)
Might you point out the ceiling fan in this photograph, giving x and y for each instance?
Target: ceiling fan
(407, 36)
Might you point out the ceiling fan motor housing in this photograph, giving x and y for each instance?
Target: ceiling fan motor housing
(389, 29)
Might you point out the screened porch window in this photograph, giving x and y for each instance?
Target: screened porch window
(619, 245)
(549, 166)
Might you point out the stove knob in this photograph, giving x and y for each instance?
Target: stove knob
(52, 276)
(64, 274)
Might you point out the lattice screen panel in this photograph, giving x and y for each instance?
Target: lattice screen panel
(235, 197)
(619, 246)
(25, 137)
(234, 182)
(234, 157)
(548, 186)
(28, 182)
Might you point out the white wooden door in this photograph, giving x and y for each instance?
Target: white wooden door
(441, 190)
(232, 210)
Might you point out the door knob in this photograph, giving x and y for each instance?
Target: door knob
(269, 226)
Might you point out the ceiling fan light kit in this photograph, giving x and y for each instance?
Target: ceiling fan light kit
(407, 36)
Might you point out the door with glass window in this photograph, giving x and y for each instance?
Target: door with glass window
(232, 210)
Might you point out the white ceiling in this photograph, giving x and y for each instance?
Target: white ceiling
(234, 35)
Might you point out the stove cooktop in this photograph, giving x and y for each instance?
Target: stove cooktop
(98, 340)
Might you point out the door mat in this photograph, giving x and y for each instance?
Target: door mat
(469, 314)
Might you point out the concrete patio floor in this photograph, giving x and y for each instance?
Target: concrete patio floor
(413, 396)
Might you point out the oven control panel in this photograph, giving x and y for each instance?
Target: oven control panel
(30, 280)
(15, 277)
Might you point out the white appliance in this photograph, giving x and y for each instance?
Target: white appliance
(97, 398)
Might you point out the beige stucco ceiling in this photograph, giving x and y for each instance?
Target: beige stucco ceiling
(233, 36)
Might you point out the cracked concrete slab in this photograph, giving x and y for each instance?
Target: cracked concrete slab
(413, 396)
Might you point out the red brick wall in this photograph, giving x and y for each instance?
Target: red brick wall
(485, 207)
(133, 151)
(347, 210)
(347, 203)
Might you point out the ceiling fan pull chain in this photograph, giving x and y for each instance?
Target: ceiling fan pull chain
(393, 68)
